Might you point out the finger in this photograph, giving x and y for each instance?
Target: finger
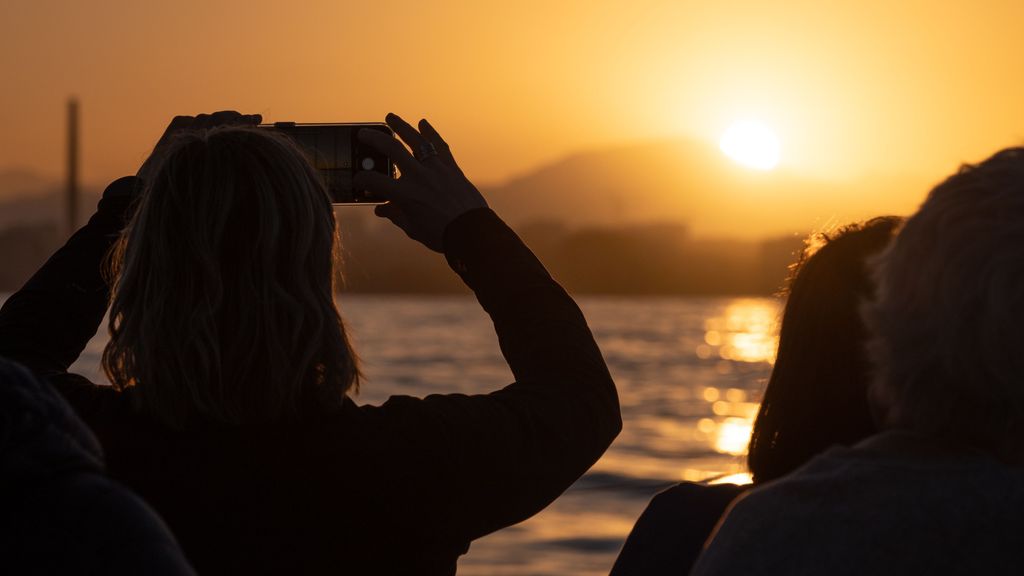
(406, 132)
(377, 184)
(396, 215)
(180, 123)
(434, 138)
(221, 118)
(386, 211)
(225, 116)
(232, 118)
(177, 124)
(388, 146)
(240, 120)
(251, 119)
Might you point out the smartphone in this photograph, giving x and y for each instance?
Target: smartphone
(337, 154)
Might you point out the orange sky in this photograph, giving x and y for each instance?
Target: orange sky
(851, 88)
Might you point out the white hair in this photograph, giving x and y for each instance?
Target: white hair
(948, 316)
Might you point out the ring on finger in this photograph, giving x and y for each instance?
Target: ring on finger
(426, 151)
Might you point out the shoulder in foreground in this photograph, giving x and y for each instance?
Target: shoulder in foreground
(687, 495)
(91, 401)
(737, 543)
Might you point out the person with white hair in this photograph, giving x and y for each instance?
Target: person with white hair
(941, 488)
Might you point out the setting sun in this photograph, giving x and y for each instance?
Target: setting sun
(751, 144)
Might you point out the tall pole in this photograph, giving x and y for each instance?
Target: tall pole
(72, 192)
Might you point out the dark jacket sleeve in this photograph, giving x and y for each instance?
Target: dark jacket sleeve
(489, 461)
(46, 324)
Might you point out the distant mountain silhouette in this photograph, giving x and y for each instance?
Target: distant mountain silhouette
(694, 183)
(630, 259)
(31, 222)
(29, 198)
(22, 181)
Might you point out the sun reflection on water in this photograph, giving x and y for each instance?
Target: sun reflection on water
(745, 332)
(739, 478)
(732, 436)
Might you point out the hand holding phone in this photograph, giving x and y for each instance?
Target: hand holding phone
(338, 155)
(432, 190)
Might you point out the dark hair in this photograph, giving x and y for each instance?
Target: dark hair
(223, 286)
(817, 392)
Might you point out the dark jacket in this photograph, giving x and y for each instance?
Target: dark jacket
(399, 488)
(59, 514)
(895, 503)
(670, 534)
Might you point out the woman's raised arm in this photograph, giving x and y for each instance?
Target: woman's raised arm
(487, 461)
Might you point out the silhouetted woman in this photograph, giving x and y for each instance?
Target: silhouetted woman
(230, 364)
(816, 397)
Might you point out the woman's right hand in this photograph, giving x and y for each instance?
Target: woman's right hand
(432, 190)
(202, 121)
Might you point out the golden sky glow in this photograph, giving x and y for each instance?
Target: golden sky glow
(850, 88)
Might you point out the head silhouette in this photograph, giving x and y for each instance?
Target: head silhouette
(223, 285)
(817, 393)
(948, 314)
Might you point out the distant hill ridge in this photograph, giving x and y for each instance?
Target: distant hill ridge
(685, 181)
(29, 198)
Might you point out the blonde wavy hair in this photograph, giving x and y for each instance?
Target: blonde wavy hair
(222, 304)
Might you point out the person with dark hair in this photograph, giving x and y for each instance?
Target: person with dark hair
(816, 397)
(940, 490)
(229, 410)
(61, 513)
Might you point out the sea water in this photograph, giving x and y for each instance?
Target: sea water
(689, 373)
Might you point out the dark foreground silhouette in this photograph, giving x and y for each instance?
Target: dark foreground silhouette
(61, 514)
(816, 397)
(329, 486)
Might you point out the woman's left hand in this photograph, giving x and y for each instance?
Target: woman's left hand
(432, 190)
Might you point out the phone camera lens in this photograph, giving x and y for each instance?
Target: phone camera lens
(368, 164)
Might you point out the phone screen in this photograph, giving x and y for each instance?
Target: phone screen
(337, 154)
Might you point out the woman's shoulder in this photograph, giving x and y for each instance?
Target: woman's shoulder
(689, 510)
(669, 535)
(693, 496)
(94, 403)
(76, 385)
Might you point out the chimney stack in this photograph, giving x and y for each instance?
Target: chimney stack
(72, 168)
